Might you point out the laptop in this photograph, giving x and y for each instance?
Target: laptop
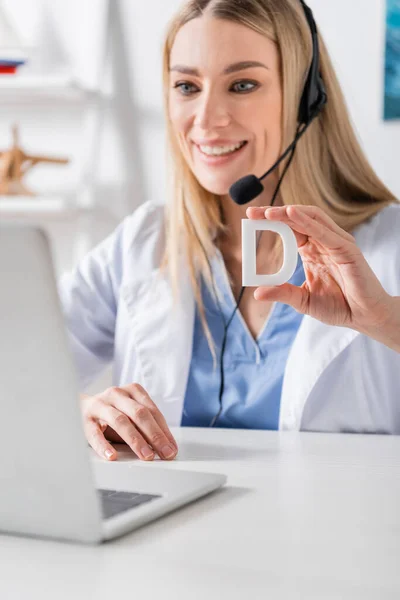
(49, 484)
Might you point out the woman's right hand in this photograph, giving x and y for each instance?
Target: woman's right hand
(127, 414)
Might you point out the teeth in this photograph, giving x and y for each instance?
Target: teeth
(219, 150)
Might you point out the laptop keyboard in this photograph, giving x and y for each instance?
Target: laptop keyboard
(114, 502)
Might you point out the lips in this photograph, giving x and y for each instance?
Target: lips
(219, 159)
(221, 142)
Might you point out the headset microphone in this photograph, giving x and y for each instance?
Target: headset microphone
(246, 189)
(313, 99)
(249, 187)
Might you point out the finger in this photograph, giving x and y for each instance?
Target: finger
(123, 426)
(256, 212)
(140, 395)
(299, 221)
(259, 213)
(297, 297)
(318, 231)
(103, 426)
(291, 212)
(144, 421)
(98, 442)
(317, 214)
(162, 423)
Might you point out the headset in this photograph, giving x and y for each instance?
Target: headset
(313, 99)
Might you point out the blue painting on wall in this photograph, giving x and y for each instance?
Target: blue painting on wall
(392, 62)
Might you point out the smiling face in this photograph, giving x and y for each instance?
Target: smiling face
(225, 101)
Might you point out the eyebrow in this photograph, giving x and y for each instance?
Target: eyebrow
(239, 66)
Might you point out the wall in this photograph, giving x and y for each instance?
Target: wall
(355, 34)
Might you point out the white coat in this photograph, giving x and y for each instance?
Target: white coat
(118, 308)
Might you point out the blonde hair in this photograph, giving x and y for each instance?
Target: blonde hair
(329, 169)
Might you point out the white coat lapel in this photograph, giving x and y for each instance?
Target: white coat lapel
(315, 347)
(163, 334)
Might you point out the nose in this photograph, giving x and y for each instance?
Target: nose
(211, 111)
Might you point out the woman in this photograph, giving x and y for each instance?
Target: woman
(318, 353)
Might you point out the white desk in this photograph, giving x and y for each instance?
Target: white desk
(305, 516)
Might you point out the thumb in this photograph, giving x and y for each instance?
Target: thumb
(287, 293)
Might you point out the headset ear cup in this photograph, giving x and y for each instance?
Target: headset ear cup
(305, 102)
(312, 101)
(314, 95)
(322, 96)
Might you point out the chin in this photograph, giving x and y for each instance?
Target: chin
(219, 188)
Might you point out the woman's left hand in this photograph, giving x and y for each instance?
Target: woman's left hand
(340, 287)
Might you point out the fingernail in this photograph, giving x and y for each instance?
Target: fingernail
(147, 452)
(168, 451)
(108, 453)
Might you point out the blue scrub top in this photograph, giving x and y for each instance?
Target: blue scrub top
(253, 369)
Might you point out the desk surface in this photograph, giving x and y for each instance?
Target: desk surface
(306, 515)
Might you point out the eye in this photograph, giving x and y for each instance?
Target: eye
(242, 86)
(186, 88)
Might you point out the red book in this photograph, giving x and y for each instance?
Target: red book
(8, 70)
